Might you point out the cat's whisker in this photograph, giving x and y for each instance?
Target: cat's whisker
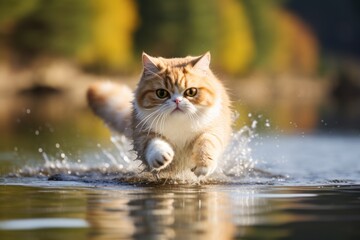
(144, 125)
(189, 116)
(151, 114)
(195, 120)
(192, 118)
(144, 120)
(196, 115)
(157, 122)
(150, 127)
(162, 123)
(161, 120)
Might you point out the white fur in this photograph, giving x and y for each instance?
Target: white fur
(159, 154)
(116, 109)
(178, 127)
(205, 171)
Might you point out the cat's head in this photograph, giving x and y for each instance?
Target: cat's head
(181, 88)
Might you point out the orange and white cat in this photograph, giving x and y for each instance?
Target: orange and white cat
(179, 116)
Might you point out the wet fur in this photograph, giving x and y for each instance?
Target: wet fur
(166, 140)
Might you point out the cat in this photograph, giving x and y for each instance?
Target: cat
(179, 117)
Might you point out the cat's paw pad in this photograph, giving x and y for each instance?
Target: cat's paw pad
(160, 160)
(204, 170)
(159, 154)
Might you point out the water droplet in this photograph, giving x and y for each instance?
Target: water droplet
(28, 111)
(62, 155)
(57, 145)
(254, 124)
(37, 132)
(40, 150)
(249, 115)
(267, 124)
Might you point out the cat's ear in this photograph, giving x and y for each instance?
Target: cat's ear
(149, 63)
(202, 63)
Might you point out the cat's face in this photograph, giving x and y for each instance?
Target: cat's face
(182, 88)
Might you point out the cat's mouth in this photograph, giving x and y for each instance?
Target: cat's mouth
(176, 110)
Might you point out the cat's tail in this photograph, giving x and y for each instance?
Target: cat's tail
(112, 102)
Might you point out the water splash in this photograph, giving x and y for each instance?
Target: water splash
(237, 159)
(117, 163)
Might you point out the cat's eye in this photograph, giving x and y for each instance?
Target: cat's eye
(191, 92)
(162, 93)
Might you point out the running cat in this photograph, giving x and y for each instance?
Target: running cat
(179, 116)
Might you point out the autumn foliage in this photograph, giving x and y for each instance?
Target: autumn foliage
(108, 36)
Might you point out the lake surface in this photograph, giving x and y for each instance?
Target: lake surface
(40, 210)
(267, 187)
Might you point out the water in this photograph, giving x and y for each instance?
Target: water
(53, 210)
(267, 187)
(311, 159)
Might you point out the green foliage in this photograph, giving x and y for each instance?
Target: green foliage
(176, 28)
(283, 42)
(110, 46)
(13, 10)
(260, 14)
(54, 27)
(236, 48)
(105, 35)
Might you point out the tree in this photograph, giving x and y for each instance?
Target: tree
(53, 27)
(236, 49)
(110, 45)
(176, 28)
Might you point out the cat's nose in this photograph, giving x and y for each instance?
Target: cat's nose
(177, 100)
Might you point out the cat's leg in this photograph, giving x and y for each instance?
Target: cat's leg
(206, 151)
(158, 154)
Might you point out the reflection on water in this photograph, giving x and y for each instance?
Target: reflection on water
(41, 223)
(181, 212)
(166, 213)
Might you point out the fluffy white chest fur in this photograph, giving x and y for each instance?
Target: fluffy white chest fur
(180, 129)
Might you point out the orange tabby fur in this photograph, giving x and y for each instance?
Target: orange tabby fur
(185, 126)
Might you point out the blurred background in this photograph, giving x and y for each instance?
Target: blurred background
(291, 65)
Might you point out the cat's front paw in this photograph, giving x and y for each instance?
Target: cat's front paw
(159, 154)
(202, 170)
